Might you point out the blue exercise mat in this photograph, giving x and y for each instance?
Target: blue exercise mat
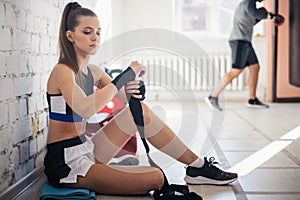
(52, 193)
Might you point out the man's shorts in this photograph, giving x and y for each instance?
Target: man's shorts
(67, 159)
(242, 54)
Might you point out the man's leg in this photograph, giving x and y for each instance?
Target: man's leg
(212, 100)
(239, 55)
(225, 80)
(253, 79)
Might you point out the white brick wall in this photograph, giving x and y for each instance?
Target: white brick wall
(28, 51)
(1, 13)
(6, 88)
(5, 42)
(7, 138)
(3, 115)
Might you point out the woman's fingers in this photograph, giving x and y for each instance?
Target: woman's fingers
(137, 96)
(133, 87)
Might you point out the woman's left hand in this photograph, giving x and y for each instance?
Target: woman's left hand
(135, 89)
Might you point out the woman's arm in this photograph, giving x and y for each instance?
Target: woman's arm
(85, 106)
(102, 79)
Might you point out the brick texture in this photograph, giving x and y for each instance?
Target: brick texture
(28, 51)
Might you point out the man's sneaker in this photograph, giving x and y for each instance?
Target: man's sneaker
(213, 102)
(255, 103)
(209, 174)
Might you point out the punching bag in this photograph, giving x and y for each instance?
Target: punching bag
(294, 43)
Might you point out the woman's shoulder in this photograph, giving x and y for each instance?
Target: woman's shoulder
(61, 72)
(58, 76)
(60, 67)
(61, 76)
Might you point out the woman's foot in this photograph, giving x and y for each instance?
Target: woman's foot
(208, 174)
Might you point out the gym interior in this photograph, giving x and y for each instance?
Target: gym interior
(185, 52)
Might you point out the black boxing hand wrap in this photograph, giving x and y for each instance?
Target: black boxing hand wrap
(123, 78)
(142, 90)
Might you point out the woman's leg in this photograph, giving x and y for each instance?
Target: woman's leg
(117, 132)
(121, 128)
(120, 180)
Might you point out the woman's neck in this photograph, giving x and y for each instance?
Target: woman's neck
(83, 62)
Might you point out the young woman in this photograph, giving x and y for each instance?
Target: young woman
(75, 160)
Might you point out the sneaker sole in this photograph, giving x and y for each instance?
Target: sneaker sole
(257, 106)
(207, 101)
(200, 180)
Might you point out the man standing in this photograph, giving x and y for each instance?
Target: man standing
(243, 55)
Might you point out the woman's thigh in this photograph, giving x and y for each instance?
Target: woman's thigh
(113, 136)
(121, 180)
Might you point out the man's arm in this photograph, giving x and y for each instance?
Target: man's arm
(258, 14)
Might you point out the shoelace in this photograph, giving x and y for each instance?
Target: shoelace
(213, 163)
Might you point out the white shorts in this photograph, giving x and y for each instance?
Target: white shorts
(66, 160)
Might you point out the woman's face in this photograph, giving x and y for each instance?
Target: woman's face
(86, 36)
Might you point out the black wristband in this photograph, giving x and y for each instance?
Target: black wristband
(123, 78)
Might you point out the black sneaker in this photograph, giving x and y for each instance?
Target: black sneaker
(255, 103)
(209, 174)
(213, 102)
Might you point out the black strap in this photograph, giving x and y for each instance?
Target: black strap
(175, 192)
(167, 191)
(123, 78)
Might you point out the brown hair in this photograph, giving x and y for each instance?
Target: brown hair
(69, 21)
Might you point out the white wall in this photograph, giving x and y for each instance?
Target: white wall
(135, 14)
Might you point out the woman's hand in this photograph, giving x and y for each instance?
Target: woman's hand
(136, 89)
(138, 68)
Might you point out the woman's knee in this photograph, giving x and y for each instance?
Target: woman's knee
(146, 108)
(146, 112)
(157, 180)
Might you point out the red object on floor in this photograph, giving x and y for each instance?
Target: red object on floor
(129, 148)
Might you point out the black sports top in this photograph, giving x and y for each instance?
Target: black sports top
(59, 109)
